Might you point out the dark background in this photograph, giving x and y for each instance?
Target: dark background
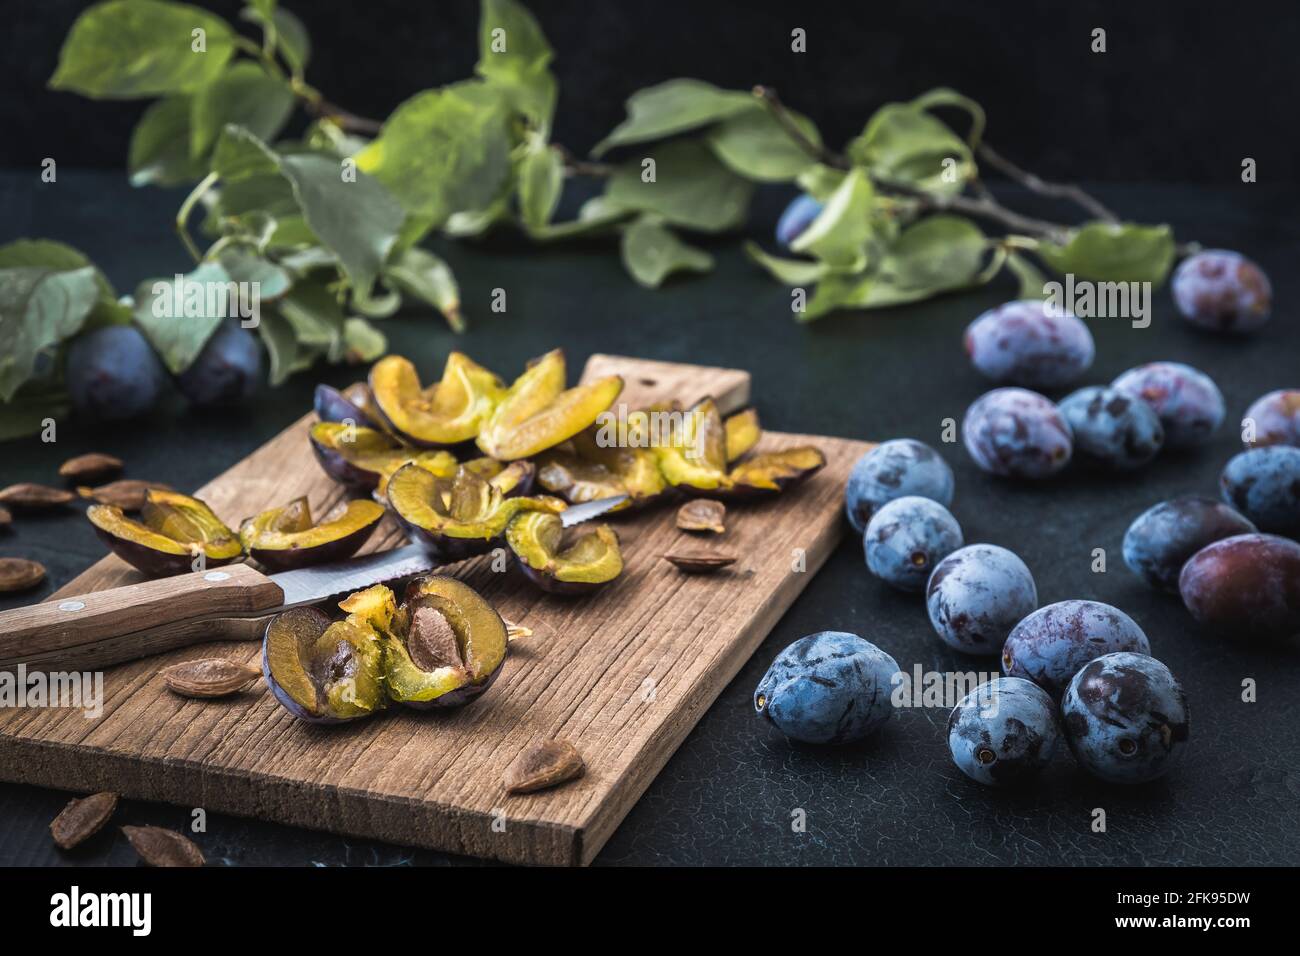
(1184, 92)
(1183, 95)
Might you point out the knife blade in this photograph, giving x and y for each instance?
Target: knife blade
(226, 603)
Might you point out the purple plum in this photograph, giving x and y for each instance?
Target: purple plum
(1017, 433)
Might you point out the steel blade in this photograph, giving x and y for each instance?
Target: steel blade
(577, 514)
(309, 585)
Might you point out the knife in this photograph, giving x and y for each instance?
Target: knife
(232, 602)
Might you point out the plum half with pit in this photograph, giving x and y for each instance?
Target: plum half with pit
(323, 671)
(1246, 587)
(444, 646)
(113, 373)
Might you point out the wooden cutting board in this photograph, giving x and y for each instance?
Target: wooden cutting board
(624, 674)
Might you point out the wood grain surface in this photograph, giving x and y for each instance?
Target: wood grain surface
(623, 674)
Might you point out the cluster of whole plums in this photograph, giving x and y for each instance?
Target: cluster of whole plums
(1077, 668)
(113, 373)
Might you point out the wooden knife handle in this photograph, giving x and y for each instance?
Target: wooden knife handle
(108, 627)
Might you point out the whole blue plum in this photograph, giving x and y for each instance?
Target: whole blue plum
(1162, 538)
(1027, 343)
(1222, 291)
(976, 595)
(1125, 718)
(227, 371)
(906, 538)
(113, 373)
(1050, 645)
(1017, 433)
(892, 470)
(1264, 485)
(797, 217)
(1112, 429)
(1275, 418)
(1004, 732)
(828, 688)
(1189, 404)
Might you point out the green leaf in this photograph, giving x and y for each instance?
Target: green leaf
(124, 49)
(652, 253)
(1114, 252)
(673, 107)
(943, 96)
(239, 154)
(596, 217)
(179, 318)
(160, 145)
(792, 272)
(1029, 276)
(756, 146)
(691, 188)
(903, 143)
(820, 181)
(281, 344)
(839, 234)
(443, 151)
(358, 220)
(25, 413)
(244, 95)
(60, 257)
(362, 341)
(272, 282)
(39, 308)
(291, 39)
(514, 54)
(421, 274)
(541, 180)
(935, 255)
(314, 314)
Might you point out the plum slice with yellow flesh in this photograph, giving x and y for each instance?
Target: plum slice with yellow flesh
(361, 457)
(172, 533)
(448, 413)
(322, 671)
(584, 469)
(445, 647)
(743, 433)
(537, 540)
(353, 404)
(459, 517)
(538, 413)
(695, 460)
(287, 537)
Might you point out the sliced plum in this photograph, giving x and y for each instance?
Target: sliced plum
(287, 537)
(448, 413)
(592, 559)
(175, 534)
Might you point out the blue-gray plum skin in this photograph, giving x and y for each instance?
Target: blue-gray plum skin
(113, 374)
(1188, 403)
(1026, 343)
(1004, 732)
(1125, 718)
(828, 688)
(228, 370)
(1276, 418)
(1162, 538)
(797, 217)
(1222, 291)
(976, 595)
(1111, 429)
(1016, 433)
(1246, 587)
(895, 469)
(907, 538)
(1264, 485)
(1050, 645)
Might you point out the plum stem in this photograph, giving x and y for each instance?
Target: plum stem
(1041, 186)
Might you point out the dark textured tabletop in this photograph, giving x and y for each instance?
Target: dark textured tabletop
(733, 790)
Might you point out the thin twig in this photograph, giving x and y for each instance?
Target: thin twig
(1041, 186)
(183, 214)
(783, 117)
(574, 166)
